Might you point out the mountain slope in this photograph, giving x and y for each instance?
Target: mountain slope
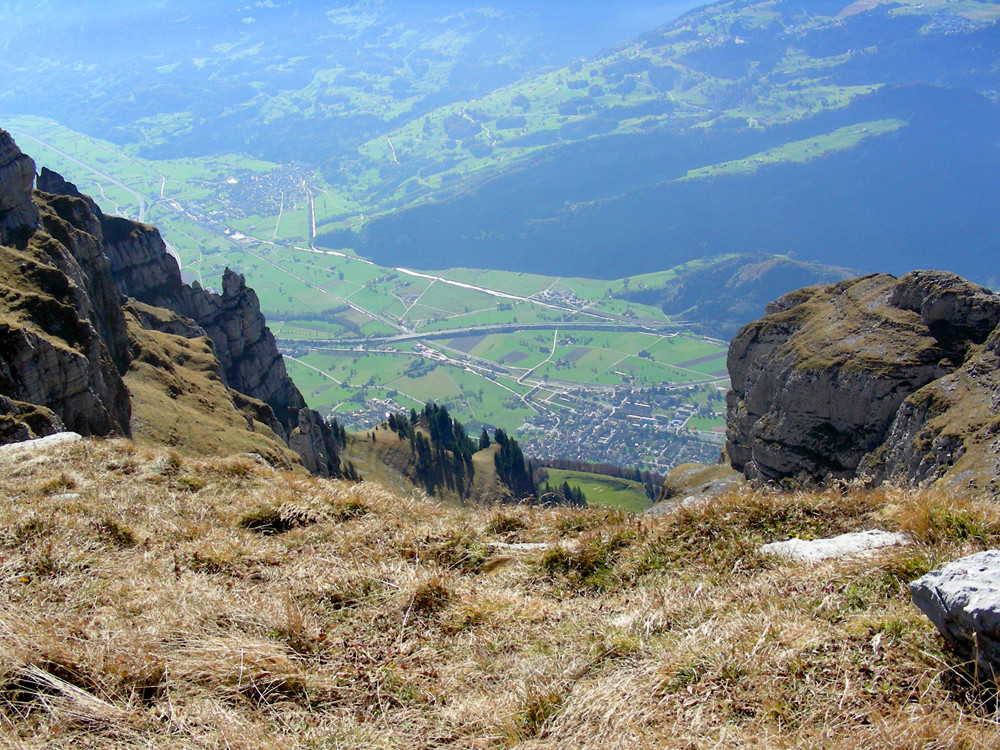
(302, 81)
(153, 600)
(745, 127)
(67, 341)
(718, 297)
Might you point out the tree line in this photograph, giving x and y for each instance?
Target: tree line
(442, 457)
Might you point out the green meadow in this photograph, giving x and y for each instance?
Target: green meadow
(610, 492)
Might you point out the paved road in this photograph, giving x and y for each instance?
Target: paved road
(451, 333)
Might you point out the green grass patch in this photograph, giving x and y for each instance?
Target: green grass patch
(800, 151)
(610, 492)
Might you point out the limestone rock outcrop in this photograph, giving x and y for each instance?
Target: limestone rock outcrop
(21, 421)
(18, 216)
(878, 377)
(78, 382)
(79, 287)
(858, 543)
(314, 441)
(52, 353)
(962, 599)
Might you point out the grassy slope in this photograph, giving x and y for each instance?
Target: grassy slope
(179, 400)
(138, 612)
(381, 456)
(604, 491)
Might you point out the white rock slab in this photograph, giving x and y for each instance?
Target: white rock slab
(518, 546)
(962, 599)
(845, 545)
(39, 444)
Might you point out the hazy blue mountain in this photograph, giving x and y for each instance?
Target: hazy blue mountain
(920, 198)
(565, 138)
(743, 155)
(282, 80)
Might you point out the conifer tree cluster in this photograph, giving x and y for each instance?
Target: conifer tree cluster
(441, 446)
(339, 434)
(511, 467)
(442, 452)
(562, 494)
(401, 426)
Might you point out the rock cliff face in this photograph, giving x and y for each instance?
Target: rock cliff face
(144, 270)
(66, 340)
(18, 216)
(52, 353)
(874, 377)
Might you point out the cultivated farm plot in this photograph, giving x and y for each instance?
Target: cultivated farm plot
(305, 330)
(707, 424)
(437, 385)
(358, 368)
(451, 297)
(510, 282)
(684, 351)
(519, 312)
(522, 350)
(601, 358)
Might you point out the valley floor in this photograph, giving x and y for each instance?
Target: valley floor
(155, 601)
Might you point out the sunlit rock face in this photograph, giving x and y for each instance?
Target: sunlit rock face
(18, 215)
(878, 377)
(962, 599)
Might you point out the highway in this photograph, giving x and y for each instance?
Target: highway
(451, 333)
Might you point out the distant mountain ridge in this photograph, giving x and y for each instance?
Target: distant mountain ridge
(718, 298)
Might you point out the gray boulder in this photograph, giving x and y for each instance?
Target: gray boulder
(963, 601)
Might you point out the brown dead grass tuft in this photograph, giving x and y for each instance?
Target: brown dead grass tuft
(155, 600)
(937, 518)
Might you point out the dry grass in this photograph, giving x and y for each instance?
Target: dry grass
(150, 600)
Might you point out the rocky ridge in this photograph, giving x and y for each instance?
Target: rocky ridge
(882, 378)
(82, 297)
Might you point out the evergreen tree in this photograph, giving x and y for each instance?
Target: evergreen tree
(484, 440)
(510, 466)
